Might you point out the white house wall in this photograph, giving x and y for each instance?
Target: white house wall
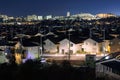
(32, 52)
(2, 47)
(50, 46)
(78, 47)
(3, 58)
(64, 45)
(90, 47)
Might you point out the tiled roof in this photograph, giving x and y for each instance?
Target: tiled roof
(27, 43)
(115, 64)
(109, 56)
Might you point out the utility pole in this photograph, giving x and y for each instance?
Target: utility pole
(104, 41)
(69, 53)
(69, 46)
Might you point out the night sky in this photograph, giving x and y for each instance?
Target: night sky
(58, 7)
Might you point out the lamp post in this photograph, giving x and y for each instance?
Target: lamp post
(41, 47)
(69, 46)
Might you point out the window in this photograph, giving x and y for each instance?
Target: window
(94, 44)
(62, 51)
(82, 49)
(111, 42)
(71, 45)
(86, 43)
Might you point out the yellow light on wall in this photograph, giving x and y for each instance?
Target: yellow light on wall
(108, 48)
(18, 58)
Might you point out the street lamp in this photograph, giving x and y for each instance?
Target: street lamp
(41, 48)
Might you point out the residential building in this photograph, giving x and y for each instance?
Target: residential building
(115, 45)
(5, 17)
(72, 45)
(26, 50)
(92, 46)
(3, 58)
(52, 44)
(108, 66)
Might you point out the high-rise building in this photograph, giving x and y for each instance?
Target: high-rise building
(48, 17)
(5, 17)
(68, 14)
(40, 17)
(32, 17)
(85, 16)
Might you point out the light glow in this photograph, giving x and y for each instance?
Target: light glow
(107, 57)
(18, 58)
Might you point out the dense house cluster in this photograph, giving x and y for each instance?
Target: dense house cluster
(62, 37)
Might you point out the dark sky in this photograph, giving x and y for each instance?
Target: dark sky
(58, 7)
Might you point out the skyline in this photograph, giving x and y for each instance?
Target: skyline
(58, 7)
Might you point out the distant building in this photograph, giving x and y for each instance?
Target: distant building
(85, 16)
(48, 17)
(1, 20)
(32, 17)
(68, 14)
(105, 15)
(10, 18)
(5, 17)
(40, 17)
(58, 17)
(50, 46)
(19, 18)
